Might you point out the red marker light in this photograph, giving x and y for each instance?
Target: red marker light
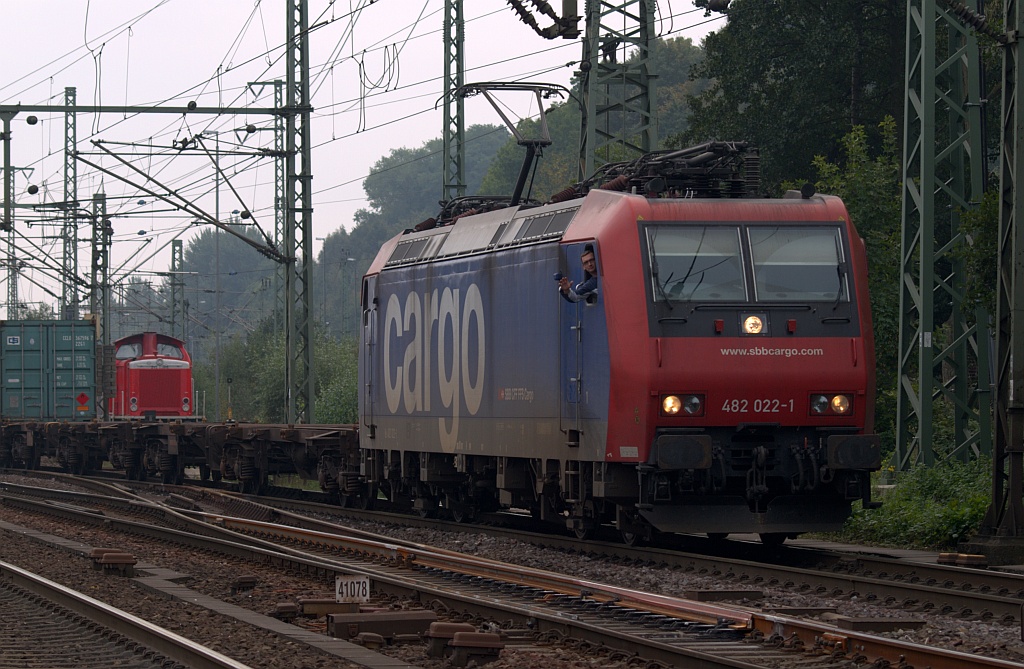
(719, 326)
(791, 325)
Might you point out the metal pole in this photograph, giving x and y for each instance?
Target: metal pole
(216, 269)
(323, 275)
(8, 222)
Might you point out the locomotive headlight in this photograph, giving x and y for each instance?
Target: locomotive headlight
(674, 405)
(840, 404)
(831, 405)
(753, 325)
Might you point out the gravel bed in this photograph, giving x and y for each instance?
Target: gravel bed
(214, 576)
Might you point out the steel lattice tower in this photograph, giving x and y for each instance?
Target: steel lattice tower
(454, 124)
(298, 239)
(943, 177)
(617, 86)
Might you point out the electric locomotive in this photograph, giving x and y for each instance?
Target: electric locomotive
(719, 380)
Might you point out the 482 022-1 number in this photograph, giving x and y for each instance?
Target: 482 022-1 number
(757, 406)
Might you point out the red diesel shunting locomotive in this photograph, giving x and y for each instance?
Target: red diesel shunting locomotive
(153, 377)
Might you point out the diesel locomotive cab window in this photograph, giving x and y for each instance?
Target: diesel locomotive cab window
(168, 351)
(798, 264)
(696, 263)
(128, 351)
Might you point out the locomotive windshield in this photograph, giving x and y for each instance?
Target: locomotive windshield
(724, 263)
(697, 263)
(798, 264)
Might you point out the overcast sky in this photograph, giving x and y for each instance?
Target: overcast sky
(376, 76)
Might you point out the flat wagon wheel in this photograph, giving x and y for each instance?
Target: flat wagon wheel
(461, 505)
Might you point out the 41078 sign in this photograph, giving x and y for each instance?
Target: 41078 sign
(352, 589)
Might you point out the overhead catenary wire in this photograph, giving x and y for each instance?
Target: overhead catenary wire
(190, 183)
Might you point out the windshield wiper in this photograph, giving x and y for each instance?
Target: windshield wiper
(841, 273)
(657, 281)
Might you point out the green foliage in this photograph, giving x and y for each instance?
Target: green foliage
(981, 225)
(37, 312)
(929, 507)
(793, 76)
(871, 189)
(337, 381)
(558, 165)
(672, 61)
(403, 189)
(255, 366)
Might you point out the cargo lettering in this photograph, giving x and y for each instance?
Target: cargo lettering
(410, 376)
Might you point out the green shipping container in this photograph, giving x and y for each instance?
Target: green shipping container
(49, 370)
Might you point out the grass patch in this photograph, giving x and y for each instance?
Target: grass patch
(928, 507)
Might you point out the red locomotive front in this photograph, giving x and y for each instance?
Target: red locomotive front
(153, 377)
(744, 381)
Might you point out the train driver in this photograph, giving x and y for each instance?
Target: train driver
(587, 288)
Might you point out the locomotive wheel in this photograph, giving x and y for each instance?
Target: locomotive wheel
(717, 536)
(583, 533)
(773, 538)
(632, 538)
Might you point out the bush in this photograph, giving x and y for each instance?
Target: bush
(929, 507)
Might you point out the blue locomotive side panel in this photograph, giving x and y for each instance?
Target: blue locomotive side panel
(448, 372)
(49, 370)
(468, 351)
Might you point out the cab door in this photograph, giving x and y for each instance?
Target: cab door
(367, 359)
(579, 323)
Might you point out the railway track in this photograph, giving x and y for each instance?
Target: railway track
(658, 628)
(47, 624)
(906, 585)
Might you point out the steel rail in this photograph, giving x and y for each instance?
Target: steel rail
(152, 636)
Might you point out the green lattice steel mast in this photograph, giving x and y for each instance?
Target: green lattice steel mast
(617, 85)
(298, 241)
(69, 260)
(1001, 535)
(178, 315)
(454, 176)
(943, 176)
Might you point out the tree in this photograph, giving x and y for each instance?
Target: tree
(236, 301)
(37, 312)
(672, 61)
(793, 76)
(554, 170)
(403, 189)
(871, 189)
